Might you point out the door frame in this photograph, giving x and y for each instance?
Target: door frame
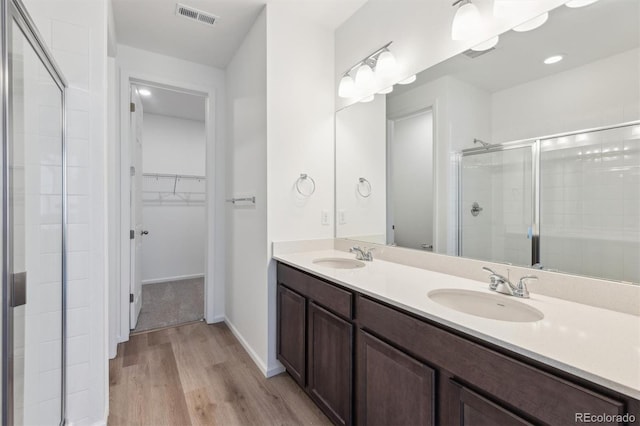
(127, 79)
(391, 120)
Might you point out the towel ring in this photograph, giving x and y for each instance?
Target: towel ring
(367, 185)
(302, 178)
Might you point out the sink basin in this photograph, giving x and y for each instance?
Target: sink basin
(338, 263)
(492, 306)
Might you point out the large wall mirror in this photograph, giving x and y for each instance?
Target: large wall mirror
(506, 155)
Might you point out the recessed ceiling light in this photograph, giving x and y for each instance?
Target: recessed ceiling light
(408, 80)
(579, 3)
(553, 59)
(144, 92)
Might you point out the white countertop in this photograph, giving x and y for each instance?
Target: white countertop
(596, 344)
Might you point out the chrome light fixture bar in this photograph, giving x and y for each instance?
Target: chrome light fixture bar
(361, 79)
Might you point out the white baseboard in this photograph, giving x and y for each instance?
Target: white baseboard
(254, 356)
(167, 279)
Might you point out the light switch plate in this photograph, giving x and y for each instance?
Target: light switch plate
(324, 217)
(342, 217)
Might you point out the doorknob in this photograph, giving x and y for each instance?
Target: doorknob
(144, 232)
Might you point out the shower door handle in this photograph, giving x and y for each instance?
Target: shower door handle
(426, 246)
(18, 289)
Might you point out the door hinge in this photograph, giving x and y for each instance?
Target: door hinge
(130, 298)
(132, 234)
(132, 171)
(132, 107)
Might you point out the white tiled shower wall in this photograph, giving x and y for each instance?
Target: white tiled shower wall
(75, 32)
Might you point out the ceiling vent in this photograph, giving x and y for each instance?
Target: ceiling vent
(195, 14)
(475, 54)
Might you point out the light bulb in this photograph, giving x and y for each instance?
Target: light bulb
(408, 80)
(385, 91)
(347, 87)
(579, 3)
(466, 22)
(144, 92)
(367, 99)
(486, 45)
(365, 79)
(532, 24)
(385, 65)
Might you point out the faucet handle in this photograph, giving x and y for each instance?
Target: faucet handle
(495, 278)
(521, 288)
(489, 270)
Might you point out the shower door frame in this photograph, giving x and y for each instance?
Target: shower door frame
(14, 12)
(535, 144)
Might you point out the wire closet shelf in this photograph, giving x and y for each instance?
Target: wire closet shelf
(164, 188)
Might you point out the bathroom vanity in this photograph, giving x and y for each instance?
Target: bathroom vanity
(383, 353)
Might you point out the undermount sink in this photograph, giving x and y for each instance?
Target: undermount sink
(492, 306)
(338, 263)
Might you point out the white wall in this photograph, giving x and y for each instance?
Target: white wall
(600, 93)
(246, 242)
(174, 248)
(173, 145)
(76, 33)
(148, 66)
(361, 144)
(420, 31)
(300, 134)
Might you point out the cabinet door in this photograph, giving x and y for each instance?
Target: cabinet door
(330, 355)
(393, 388)
(292, 326)
(475, 410)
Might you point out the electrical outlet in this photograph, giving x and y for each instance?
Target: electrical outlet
(324, 217)
(342, 217)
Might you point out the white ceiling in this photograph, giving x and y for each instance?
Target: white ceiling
(584, 35)
(173, 103)
(153, 25)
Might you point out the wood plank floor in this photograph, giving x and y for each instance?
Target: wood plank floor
(199, 374)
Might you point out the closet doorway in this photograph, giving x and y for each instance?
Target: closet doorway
(167, 141)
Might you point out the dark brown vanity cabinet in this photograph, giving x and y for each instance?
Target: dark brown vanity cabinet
(392, 387)
(315, 340)
(369, 363)
(292, 329)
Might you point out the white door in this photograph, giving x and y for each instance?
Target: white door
(411, 181)
(136, 206)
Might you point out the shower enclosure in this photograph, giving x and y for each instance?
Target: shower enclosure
(570, 202)
(33, 225)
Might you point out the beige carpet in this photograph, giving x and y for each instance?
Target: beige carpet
(171, 303)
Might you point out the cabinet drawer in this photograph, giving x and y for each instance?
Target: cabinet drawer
(337, 300)
(550, 399)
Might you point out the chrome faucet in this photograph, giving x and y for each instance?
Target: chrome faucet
(502, 284)
(362, 253)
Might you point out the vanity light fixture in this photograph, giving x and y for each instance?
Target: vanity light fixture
(386, 91)
(368, 98)
(144, 92)
(553, 59)
(492, 42)
(532, 24)
(467, 20)
(579, 3)
(513, 9)
(365, 80)
(408, 80)
(347, 87)
(373, 71)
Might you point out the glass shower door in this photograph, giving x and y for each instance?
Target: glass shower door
(496, 199)
(33, 331)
